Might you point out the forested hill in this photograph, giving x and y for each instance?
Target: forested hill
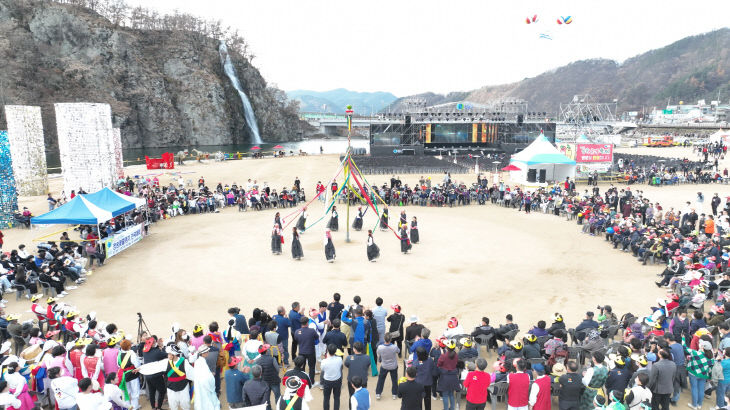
(693, 68)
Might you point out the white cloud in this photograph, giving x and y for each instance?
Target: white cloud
(407, 47)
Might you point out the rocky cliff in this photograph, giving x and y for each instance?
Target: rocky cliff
(165, 87)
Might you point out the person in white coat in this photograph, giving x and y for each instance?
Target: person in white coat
(204, 382)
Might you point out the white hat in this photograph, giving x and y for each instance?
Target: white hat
(49, 344)
(5, 347)
(705, 345)
(414, 318)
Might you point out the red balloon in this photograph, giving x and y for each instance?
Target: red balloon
(560, 21)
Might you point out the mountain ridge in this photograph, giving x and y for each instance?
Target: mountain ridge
(692, 68)
(363, 102)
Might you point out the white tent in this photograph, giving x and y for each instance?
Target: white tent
(720, 136)
(543, 157)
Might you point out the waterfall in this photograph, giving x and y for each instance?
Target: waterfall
(247, 108)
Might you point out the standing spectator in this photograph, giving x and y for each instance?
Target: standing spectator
(699, 367)
(360, 327)
(680, 377)
(358, 365)
(448, 382)
(722, 385)
(295, 316)
(235, 381)
(426, 368)
(396, 320)
(360, 399)
(379, 313)
(411, 392)
(335, 307)
(661, 381)
(414, 329)
(332, 377)
(540, 391)
(256, 391)
(388, 357)
(571, 388)
(152, 352)
(476, 385)
(52, 202)
(269, 370)
(282, 327)
(518, 390)
(335, 336)
(306, 337)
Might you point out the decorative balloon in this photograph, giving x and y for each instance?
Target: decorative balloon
(531, 20)
(565, 20)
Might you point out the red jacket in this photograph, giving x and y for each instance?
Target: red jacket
(476, 384)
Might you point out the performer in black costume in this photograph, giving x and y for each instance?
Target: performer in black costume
(373, 250)
(329, 247)
(302, 220)
(405, 243)
(296, 246)
(357, 223)
(276, 240)
(384, 219)
(333, 224)
(414, 230)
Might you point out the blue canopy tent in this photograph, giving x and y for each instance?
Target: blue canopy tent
(76, 211)
(113, 202)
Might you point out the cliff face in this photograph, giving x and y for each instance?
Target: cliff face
(165, 87)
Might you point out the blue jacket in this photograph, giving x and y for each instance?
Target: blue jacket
(282, 326)
(426, 343)
(360, 327)
(294, 318)
(234, 385)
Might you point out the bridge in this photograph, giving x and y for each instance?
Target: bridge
(330, 124)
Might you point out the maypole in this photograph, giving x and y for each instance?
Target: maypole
(348, 114)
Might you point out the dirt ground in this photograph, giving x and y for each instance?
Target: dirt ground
(472, 261)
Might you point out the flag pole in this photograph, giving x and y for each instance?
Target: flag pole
(348, 114)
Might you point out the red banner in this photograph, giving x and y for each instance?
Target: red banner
(594, 153)
(167, 161)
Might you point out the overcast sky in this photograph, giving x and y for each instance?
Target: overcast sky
(408, 46)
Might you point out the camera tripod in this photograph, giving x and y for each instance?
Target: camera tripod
(141, 327)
